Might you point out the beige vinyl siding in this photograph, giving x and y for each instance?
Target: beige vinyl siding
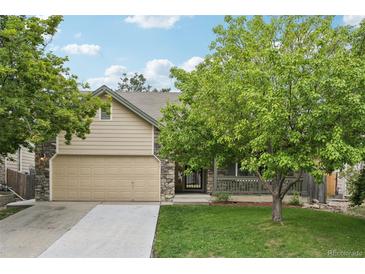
(105, 178)
(12, 161)
(125, 134)
(27, 161)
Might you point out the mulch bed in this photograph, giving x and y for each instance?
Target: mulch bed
(246, 204)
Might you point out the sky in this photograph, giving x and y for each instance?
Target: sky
(101, 48)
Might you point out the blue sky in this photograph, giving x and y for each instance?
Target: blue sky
(101, 48)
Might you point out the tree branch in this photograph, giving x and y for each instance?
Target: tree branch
(264, 182)
(281, 184)
(286, 189)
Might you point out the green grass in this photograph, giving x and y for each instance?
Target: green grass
(232, 231)
(357, 211)
(6, 212)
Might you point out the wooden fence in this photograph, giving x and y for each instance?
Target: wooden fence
(252, 185)
(23, 184)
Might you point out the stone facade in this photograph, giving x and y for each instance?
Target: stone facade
(210, 180)
(43, 155)
(167, 173)
(2, 170)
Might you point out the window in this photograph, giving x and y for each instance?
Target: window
(243, 172)
(234, 170)
(229, 170)
(105, 113)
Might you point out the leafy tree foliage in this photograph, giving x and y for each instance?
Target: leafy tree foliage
(281, 96)
(38, 95)
(356, 186)
(137, 83)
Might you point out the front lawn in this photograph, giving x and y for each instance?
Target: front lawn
(232, 231)
(5, 212)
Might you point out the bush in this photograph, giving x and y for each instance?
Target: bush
(295, 199)
(221, 197)
(356, 188)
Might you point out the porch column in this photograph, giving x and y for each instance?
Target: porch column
(215, 174)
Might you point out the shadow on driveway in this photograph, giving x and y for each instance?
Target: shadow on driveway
(31, 231)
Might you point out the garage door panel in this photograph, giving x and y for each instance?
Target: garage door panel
(117, 195)
(85, 195)
(105, 178)
(85, 170)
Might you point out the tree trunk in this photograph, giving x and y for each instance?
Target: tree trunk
(277, 203)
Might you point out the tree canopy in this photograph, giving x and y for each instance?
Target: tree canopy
(39, 97)
(280, 96)
(137, 83)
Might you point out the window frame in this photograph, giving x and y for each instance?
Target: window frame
(110, 116)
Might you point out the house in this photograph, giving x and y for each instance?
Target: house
(21, 161)
(119, 160)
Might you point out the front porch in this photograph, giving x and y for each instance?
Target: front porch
(227, 180)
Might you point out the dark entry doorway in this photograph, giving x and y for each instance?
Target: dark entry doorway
(193, 182)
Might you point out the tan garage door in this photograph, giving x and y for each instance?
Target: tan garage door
(105, 178)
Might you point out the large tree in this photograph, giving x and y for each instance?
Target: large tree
(281, 96)
(38, 95)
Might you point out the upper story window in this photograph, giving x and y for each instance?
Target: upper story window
(106, 113)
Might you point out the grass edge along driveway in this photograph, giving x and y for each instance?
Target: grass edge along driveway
(233, 231)
(6, 212)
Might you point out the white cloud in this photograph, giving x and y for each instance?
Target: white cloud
(111, 77)
(157, 72)
(53, 47)
(353, 20)
(190, 64)
(78, 35)
(115, 70)
(149, 22)
(85, 49)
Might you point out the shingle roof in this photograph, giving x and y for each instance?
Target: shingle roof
(150, 102)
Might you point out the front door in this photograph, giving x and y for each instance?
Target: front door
(193, 182)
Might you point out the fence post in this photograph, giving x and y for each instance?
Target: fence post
(322, 191)
(310, 187)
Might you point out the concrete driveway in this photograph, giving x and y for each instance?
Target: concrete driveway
(31, 231)
(78, 230)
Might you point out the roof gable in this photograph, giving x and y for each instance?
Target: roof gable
(126, 103)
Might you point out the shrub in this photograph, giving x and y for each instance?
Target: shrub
(295, 200)
(356, 188)
(221, 197)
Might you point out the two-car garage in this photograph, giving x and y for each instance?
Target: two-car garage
(105, 178)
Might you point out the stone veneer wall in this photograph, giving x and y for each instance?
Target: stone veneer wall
(43, 153)
(167, 175)
(210, 180)
(2, 170)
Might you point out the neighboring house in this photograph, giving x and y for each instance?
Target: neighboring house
(119, 160)
(21, 161)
